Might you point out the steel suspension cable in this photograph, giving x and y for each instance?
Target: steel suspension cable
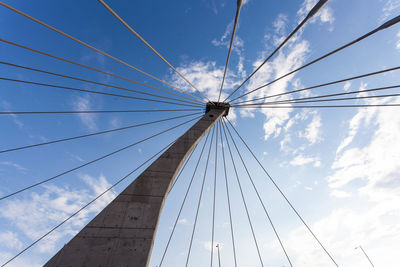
(310, 14)
(97, 70)
(92, 47)
(321, 85)
(93, 82)
(219, 256)
(96, 92)
(323, 96)
(296, 101)
(243, 198)
(183, 202)
(227, 195)
(214, 194)
(330, 106)
(96, 133)
(93, 161)
(283, 195)
(93, 111)
(260, 199)
(85, 206)
(149, 46)
(238, 8)
(382, 27)
(200, 197)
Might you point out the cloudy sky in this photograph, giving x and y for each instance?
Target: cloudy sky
(340, 167)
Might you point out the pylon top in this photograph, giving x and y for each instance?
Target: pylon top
(218, 105)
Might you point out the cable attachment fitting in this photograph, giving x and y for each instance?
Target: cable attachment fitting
(218, 105)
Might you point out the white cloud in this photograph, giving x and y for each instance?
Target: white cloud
(346, 86)
(284, 143)
(324, 15)
(35, 214)
(398, 41)
(313, 131)
(375, 166)
(389, 8)
(292, 56)
(207, 77)
(10, 240)
(344, 229)
(225, 40)
(340, 194)
(14, 165)
(282, 64)
(183, 221)
(273, 125)
(363, 116)
(85, 103)
(317, 163)
(376, 163)
(301, 160)
(18, 262)
(280, 25)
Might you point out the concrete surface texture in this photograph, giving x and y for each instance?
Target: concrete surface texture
(123, 233)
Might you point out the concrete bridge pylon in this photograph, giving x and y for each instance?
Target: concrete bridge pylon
(123, 233)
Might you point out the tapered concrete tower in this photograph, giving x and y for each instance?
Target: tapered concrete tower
(122, 235)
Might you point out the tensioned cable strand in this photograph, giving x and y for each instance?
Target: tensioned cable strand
(330, 106)
(323, 96)
(97, 83)
(149, 46)
(243, 198)
(283, 195)
(310, 14)
(219, 256)
(94, 69)
(93, 48)
(85, 206)
(183, 202)
(93, 161)
(259, 198)
(214, 195)
(238, 8)
(96, 92)
(227, 195)
(93, 111)
(200, 197)
(96, 133)
(320, 85)
(296, 101)
(382, 27)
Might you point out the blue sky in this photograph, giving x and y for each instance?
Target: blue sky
(339, 167)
